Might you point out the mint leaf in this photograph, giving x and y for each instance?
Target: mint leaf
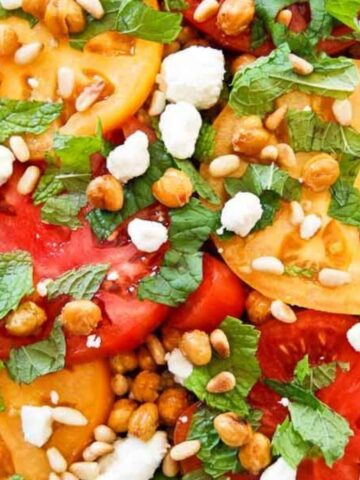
(16, 279)
(131, 17)
(217, 458)
(242, 363)
(63, 210)
(288, 444)
(18, 12)
(296, 271)
(258, 34)
(198, 475)
(22, 116)
(28, 363)
(302, 370)
(345, 11)
(16, 477)
(205, 143)
(316, 378)
(200, 185)
(175, 5)
(256, 87)
(79, 283)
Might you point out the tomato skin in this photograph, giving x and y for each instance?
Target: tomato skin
(220, 294)
(133, 124)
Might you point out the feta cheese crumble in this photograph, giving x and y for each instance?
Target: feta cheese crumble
(353, 336)
(93, 341)
(36, 424)
(241, 213)
(131, 159)
(194, 75)
(6, 164)
(178, 365)
(147, 236)
(180, 125)
(280, 470)
(133, 458)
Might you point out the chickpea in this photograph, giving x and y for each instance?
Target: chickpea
(119, 385)
(64, 16)
(173, 189)
(250, 137)
(34, 7)
(120, 415)
(144, 421)
(105, 192)
(241, 62)
(124, 362)
(172, 403)
(25, 320)
(80, 317)
(195, 345)
(9, 41)
(167, 380)
(235, 16)
(146, 386)
(232, 429)
(320, 172)
(256, 455)
(170, 338)
(146, 362)
(258, 307)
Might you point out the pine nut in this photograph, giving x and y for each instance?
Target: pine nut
(268, 265)
(68, 476)
(96, 450)
(184, 450)
(310, 226)
(284, 17)
(220, 343)
(65, 81)
(11, 4)
(282, 312)
(33, 82)
(54, 396)
(93, 7)
(224, 165)
(69, 416)
(56, 460)
(297, 213)
(286, 155)
(19, 148)
(89, 96)
(28, 180)
(331, 277)
(85, 470)
(269, 153)
(156, 349)
(157, 104)
(27, 53)
(103, 433)
(342, 110)
(170, 468)
(222, 382)
(54, 476)
(205, 10)
(300, 65)
(274, 120)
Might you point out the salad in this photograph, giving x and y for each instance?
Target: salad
(179, 240)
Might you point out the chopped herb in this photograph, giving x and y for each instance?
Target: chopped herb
(175, 5)
(296, 271)
(316, 378)
(289, 444)
(205, 143)
(64, 210)
(346, 11)
(258, 33)
(18, 12)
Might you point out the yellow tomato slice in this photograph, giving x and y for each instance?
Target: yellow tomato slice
(335, 246)
(85, 387)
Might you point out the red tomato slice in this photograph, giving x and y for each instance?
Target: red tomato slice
(221, 293)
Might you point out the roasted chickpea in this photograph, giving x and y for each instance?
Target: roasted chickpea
(146, 386)
(119, 385)
(234, 16)
(170, 337)
(146, 362)
(80, 317)
(34, 7)
(258, 307)
(320, 172)
(241, 62)
(195, 345)
(9, 41)
(120, 415)
(144, 421)
(124, 362)
(172, 403)
(256, 454)
(64, 16)
(233, 430)
(250, 137)
(173, 189)
(105, 192)
(26, 319)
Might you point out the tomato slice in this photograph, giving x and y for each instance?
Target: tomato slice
(221, 293)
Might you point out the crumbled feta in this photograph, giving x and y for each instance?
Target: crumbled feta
(353, 336)
(54, 397)
(147, 236)
(133, 458)
(112, 276)
(179, 366)
(131, 159)
(241, 213)
(180, 125)
(6, 164)
(36, 424)
(194, 75)
(310, 226)
(41, 287)
(280, 470)
(285, 402)
(93, 341)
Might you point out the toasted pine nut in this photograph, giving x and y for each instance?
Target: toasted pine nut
(69, 416)
(184, 450)
(297, 213)
(287, 157)
(11, 4)
(156, 349)
(284, 17)
(170, 468)
(342, 110)
(222, 382)
(282, 312)
(94, 7)
(103, 433)
(331, 277)
(56, 460)
(27, 53)
(158, 102)
(224, 165)
(85, 470)
(268, 265)
(220, 343)
(269, 153)
(205, 10)
(274, 119)
(89, 95)
(310, 226)
(68, 476)
(28, 180)
(19, 148)
(65, 81)
(300, 65)
(96, 450)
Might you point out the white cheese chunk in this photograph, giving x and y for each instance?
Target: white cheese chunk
(6, 164)
(179, 366)
(131, 159)
(36, 424)
(241, 213)
(11, 4)
(194, 75)
(353, 336)
(180, 125)
(146, 235)
(279, 470)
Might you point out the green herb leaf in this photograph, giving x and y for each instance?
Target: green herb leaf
(316, 378)
(198, 475)
(296, 271)
(28, 363)
(345, 11)
(242, 363)
(175, 5)
(258, 33)
(289, 444)
(16, 279)
(200, 185)
(63, 210)
(256, 87)
(16, 477)
(18, 13)
(79, 283)
(132, 17)
(205, 143)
